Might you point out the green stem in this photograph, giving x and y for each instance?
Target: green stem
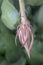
(22, 9)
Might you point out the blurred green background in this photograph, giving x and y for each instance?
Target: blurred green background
(10, 53)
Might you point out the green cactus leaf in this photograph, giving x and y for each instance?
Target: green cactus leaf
(10, 16)
(40, 17)
(34, 2)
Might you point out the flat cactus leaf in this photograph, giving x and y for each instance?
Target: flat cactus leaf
(40, 17)
(10, 16)
(34, 2)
